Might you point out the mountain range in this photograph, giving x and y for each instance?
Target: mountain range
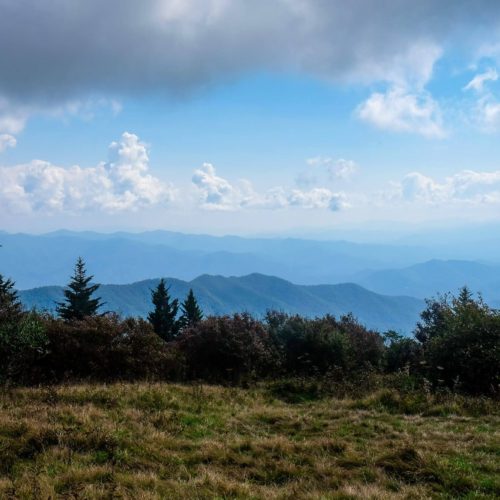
(255, 294)
(129, 264)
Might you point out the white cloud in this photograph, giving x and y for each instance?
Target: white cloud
(336, 168)
(477, 83)
(467, 186)
(121, 184)
(217, 193)
(400, 110)
(7, 141)
(317, 198)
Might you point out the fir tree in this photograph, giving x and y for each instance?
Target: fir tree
(10, 307)
(191, 312)
(78, 296)
(164, 316)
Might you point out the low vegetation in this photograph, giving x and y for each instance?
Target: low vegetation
(202, 441)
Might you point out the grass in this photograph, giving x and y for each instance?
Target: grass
(148, 441)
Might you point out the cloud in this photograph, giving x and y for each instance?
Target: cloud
(83, 47)
(485, 111)
(7, 141)
(400, 110)
(217, 193)
(477, 83)
(121, 184)
(467, 186)
(336, 168)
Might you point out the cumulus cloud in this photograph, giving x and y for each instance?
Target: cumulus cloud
(467, 186)
(121, 184)
(217, 193)
(400, 110)
(7, 141)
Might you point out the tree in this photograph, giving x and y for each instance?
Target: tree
(191, 313)
(164, 316)
(79, 303)
(10, 307)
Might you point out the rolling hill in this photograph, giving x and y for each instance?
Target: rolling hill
(255, 294)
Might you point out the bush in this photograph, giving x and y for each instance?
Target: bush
(316, 346)
(105, 348)
(461, 342)
(402, 353)
(227, 348)
(22, 345)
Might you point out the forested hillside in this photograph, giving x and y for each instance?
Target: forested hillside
(255, 294)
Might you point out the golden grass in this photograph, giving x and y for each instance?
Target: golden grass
(149, 441)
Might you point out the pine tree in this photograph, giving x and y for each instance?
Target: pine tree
(78, 296)
(191, 311)
(10, 307)
(164, 316)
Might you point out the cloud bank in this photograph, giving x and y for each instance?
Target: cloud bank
(177, 45)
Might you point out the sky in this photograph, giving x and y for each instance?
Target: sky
(249, 116)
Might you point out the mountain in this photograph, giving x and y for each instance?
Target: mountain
(436, 276)
(255, 294)
(38, 260)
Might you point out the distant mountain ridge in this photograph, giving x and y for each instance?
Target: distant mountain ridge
(254, 293)
(427, 279)
(39, 260)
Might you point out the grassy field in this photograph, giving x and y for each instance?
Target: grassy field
(171, 441)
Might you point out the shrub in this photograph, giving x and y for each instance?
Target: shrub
(105, 348)
(227, 348)
(402, 353)
(22, 345)
(461, 342)
(315, 346)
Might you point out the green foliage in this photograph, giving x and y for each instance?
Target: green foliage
(79, 303)
(10, 307)
(191, 313)
(461, 342)
(315, 346)
(22, 345)
(163, 318)
(402, 353)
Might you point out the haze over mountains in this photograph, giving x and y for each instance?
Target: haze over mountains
(137, 260)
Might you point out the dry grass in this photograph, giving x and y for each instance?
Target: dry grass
(170, 441)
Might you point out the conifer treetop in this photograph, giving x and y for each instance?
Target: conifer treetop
(79, 302)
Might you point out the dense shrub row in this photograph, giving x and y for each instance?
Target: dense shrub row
(456, 346)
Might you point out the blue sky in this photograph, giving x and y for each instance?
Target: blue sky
(284, 116)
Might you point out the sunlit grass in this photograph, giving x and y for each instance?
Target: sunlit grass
(173, 441)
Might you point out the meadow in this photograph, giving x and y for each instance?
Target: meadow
(271, 440)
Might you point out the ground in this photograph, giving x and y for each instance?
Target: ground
(148, 441)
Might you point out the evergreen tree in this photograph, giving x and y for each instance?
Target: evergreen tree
(78, 296)
(191, 311)
(10, 307)
(164, 316)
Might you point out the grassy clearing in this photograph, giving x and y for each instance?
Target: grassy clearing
(151, 441)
